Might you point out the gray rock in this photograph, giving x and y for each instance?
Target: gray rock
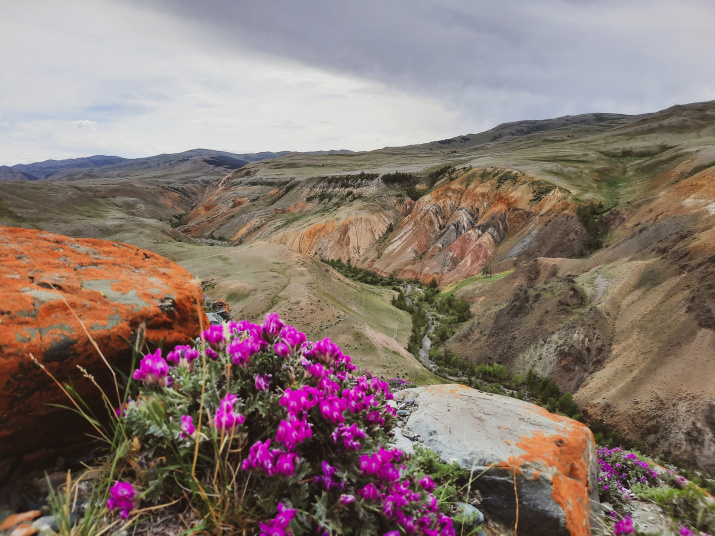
(402, 412)
(649, 518)
(409, 435)
(551, 460)
(46, 525)
(468, 516)
(401, 442)
(214, 319)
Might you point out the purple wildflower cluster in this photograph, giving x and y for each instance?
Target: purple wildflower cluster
(624, 526)
(183, 356)
(227, 420)
(122, 497)
(397, 384)
(395, 493)
(618, 471)
(290, 413)
(278, 526)
(153, 370)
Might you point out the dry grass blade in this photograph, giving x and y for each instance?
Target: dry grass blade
(69, 396)
(516, 496)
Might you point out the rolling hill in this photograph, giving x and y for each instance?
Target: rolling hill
(601, 226)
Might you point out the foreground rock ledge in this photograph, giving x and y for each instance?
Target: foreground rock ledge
(112, 288)
(552, 458)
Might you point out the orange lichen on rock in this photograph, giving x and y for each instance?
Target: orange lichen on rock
(57, 289)
(15, 519)
(569, 485)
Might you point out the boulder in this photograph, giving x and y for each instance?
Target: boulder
(549, 460)
(55, 291)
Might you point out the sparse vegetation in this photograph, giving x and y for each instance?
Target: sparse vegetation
(591, 216)
(351, 179)
(363, 275)
(628, 475)
(398, 178)
(541, 190)
(506, 176)
(699, 168)
(434, 176)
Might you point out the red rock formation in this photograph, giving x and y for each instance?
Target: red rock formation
(451, 233)
(56, 290)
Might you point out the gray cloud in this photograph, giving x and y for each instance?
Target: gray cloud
(536, 58)
(240, 75)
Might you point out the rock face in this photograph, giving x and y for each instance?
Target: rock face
(550, 459)
(54, 291)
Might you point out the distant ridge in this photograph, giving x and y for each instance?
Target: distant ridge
(56, 169)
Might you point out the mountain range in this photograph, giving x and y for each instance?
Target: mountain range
(597, 230)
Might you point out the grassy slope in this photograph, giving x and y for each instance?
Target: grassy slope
(260, 278)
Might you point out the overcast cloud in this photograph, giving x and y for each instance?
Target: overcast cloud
(135, 78)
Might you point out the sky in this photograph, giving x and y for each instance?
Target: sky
(136, 78)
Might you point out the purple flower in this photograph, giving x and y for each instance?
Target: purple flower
(292, 337)
(427, 484)
(242, 352)
(122, 497)
(262, 382)
(215, 338)
(153, 370)
(349, 436)
(226, 419)
(685, 531)
(297, 401)
(325, 351)
(281, 349)
(260, 456)
(346, 499)
(375, 417)
(228, 401)
(286, 463)
(293, 431)
(327, 479)
(369, 492)
(279, 525)
(284, 517)
(187, 426)
(272, 325)
(624, 526)
(270, 530)
(121, 411)
(332, 409)
(184, 356)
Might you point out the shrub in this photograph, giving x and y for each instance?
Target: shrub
(591, 217)
(434, 176)
(261, 430)
(618, 472)
(398, 177)
(685, 501)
